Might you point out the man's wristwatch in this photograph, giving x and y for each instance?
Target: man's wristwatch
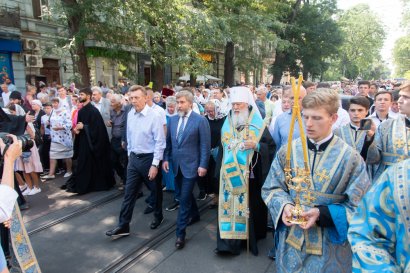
(156, 166)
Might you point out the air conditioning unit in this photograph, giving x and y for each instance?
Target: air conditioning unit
(31, 45)
(33, 60)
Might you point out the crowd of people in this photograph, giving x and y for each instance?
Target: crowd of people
(233, 144)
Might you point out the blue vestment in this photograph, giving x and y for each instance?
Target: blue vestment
(380, 229)
(392, 141)
(338, 181)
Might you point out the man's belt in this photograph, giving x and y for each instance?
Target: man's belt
(142, 155)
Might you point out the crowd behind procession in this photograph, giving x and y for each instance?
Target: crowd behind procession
(231, 143)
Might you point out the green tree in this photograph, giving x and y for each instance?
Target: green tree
(401, 50)
(245, 30)
(309, 39)
(363, 38)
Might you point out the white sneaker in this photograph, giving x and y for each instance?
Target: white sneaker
(34, 191)
(27, 191)
(23, 188)
(67, 174)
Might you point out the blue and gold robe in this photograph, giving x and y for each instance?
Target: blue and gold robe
(339, 180)
(356, 139)
(392, 141)
(234, 176)
(380, 229)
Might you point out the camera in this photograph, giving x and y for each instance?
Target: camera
(27, 142)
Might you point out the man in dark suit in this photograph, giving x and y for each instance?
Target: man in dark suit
(188, 145)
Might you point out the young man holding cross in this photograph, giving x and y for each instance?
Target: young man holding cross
(334, 184)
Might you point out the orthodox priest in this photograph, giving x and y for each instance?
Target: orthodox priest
(335, 179)
(380, 229)
(246, 154)
(93, 170)
(392, 137)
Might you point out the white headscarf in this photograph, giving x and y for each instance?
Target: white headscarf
(218, 110)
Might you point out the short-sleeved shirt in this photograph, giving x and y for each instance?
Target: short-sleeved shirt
(8, 197)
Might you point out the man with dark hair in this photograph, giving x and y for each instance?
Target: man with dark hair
(91, 149)
(364, 87)
(382, 102)
(351, 133)
(373, 90)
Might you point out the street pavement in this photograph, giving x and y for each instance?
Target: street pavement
(67, 232)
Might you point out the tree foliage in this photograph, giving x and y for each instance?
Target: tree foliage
(363, 38)
(401, 50)
(311, 36)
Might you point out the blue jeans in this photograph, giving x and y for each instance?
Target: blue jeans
(187, 203)
(137, 173)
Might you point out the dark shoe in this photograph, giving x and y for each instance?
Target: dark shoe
(201, 196)
(118, 232)
(140, 194)
(213, 206)
(193, 220)
(25, 206)
(180, 243)
(156, 223)
(173, 206)
(148, 209)
(63, 187)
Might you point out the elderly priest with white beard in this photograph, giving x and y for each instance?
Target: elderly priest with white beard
(245, 154)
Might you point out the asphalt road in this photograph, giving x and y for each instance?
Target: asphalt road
(67, 232)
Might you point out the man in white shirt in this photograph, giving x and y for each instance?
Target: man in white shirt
(159, 110)
(382, 102)
(145, 144)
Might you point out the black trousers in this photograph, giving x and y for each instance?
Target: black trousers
(137, 174)
(45, 152)
(119, 158)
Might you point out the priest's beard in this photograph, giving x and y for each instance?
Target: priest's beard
(240, 117)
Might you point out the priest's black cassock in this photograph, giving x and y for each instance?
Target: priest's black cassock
(93, 170)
